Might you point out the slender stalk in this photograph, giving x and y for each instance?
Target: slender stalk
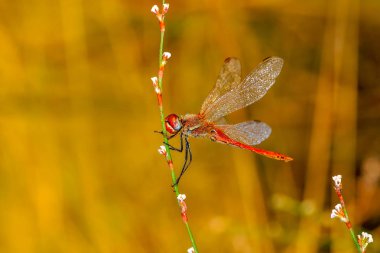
(341, 212)
(161, 62)
(191, 237)
(348, 222)
(352, 233)
(361, 241)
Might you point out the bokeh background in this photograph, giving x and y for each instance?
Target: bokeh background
(79, 168)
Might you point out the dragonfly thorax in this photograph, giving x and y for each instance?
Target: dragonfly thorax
(173, 123)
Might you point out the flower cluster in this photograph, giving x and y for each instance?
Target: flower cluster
(182, 204)
(162, 150)
(155, 80)
(338, 182)
(155, 85)
(338, 213)
(364, 239)
(165, 57)
(160, 15)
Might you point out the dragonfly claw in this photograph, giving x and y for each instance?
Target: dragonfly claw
(158, 132)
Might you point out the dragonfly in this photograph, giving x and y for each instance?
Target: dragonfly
(229, 94)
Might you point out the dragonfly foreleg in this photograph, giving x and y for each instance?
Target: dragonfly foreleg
(174, 148)
(173, 135)
(181, 144)
(169, 137)
(162, 133)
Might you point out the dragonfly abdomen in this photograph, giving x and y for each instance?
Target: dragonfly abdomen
(219, 136)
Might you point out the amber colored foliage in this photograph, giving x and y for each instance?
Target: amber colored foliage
(79, 167)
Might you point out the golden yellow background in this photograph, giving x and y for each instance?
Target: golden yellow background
(79, 168)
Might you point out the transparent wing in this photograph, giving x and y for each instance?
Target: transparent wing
(233, 95)
(250, 132)
(228, 78)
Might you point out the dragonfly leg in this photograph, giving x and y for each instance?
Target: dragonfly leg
(188, 159)
(173, 135)
(169, 137)
(174, 148)
(190, 156)
(181, 144)
(170, 146)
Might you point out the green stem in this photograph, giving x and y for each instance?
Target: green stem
(168, 154)
(348, 223)
(352, 233)
(355, 239)
(191, 237)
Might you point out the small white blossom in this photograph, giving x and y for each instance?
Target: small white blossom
(338, 213)
(162, 150)
(155, 9)
(338, 181)
(166, 55)
(165, 8)
(369, 236)
(364, 240)
(190, 250)
(154, 80)
(155, 85)
(181, 197)
(182, 204)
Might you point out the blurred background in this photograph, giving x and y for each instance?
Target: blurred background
(79, 168)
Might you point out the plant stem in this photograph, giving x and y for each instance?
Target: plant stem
(348, 223)
(165, 138)
(355, 239)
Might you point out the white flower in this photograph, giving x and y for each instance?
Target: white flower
(162, 150)
(166, 55)
(155, 85)
(181, 201)
(364, 240)
(154, 80)
(369, 236)
(338, 181)
(190, 250)
(181, 197)
(165, 8)
(155, 9)
(339, 213)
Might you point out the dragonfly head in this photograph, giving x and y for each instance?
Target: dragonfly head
(173, 123)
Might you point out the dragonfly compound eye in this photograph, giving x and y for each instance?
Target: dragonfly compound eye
(173, 123)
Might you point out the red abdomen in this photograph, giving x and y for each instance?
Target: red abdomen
(219, 136)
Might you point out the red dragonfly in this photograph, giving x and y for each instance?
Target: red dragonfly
(229, 94)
